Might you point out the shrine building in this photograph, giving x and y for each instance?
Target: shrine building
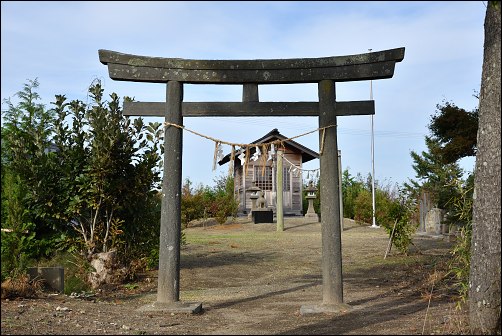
(262, 173)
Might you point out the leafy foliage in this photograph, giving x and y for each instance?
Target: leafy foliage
(400, 211)
(27, 179)
(391, 203)
(225, 204)
(455, 130)
(434, 175)
(453, 136)
(109, 171)
(18, 235)
(85, 178)
(351, 188)
(203, 202)
(459, 265)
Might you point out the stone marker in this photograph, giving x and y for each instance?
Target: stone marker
(53, 277)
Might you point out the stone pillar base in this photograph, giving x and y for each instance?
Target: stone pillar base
(311, 217)
(338, 308)
(174, 307)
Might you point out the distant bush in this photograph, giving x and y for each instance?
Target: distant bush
(202, 202)
(363, 208)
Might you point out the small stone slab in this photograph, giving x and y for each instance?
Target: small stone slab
(339, 308)
(173, 307)
(263, 216)
(53, 277)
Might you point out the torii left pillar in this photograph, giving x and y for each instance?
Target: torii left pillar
(170, 220)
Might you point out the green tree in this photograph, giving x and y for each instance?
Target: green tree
(28, 154)
(363, 207)
(194, 202)
(434, 175)
(454, 129)
(351, 188)
(18, 231)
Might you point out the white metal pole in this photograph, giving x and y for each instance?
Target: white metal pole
(373, 225)
(340, 195)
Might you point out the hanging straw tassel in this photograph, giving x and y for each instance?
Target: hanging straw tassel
(322, 140)
(246, 161)
(215, 156)
(264, 159)
(272, 152)
(231, 163)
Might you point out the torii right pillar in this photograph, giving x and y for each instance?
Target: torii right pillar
(332, 279)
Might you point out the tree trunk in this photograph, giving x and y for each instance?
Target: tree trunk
(484, 284)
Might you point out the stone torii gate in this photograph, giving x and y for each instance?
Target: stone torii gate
(175, 72)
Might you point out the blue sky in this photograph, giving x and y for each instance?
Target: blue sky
(58, 43)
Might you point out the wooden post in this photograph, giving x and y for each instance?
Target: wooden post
(170, 220)
(390, 240)
(330, 204)
(280, 185)
(250, 92)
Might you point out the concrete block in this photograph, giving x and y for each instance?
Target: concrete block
(173, 307)
(53, 277)
(339, 308)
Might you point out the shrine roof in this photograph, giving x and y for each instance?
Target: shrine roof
(307, 154)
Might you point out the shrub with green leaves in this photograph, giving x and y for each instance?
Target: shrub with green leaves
(461, 214)
(351, 188)
(399, 218)
(18, 244)
(363, 208)
(203, 202)
(89, 176)
(28, 231)
(459, 265)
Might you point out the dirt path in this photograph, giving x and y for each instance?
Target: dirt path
(253, 280)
